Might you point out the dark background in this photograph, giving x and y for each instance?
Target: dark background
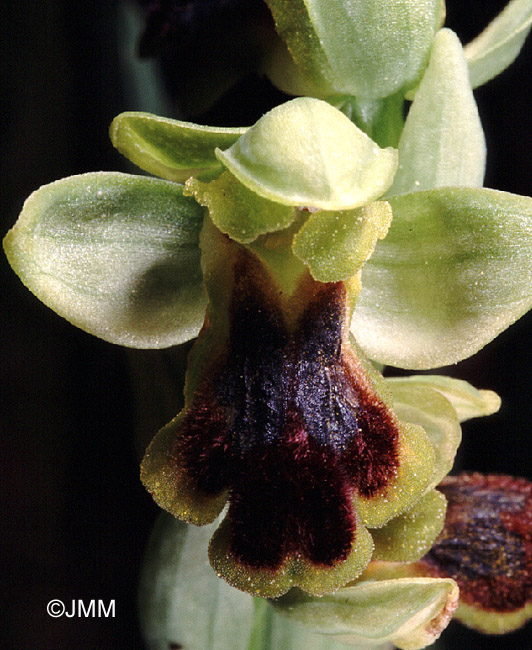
(75, 518)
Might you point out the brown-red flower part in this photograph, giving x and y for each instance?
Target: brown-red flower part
(284, 422)
(486, 546)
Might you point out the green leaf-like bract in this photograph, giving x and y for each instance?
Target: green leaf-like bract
(368, 49)
(182, 600)
(117, 255)
(467, 401)
(452, 273)
(168, 148)
(423, 405)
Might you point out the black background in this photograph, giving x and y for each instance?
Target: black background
(75, 518)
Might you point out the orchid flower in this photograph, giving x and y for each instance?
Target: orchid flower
(304, 252)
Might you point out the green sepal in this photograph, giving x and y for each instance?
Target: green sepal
(452, 273)
(237, 211)
(468, 401)
(307, 153)
(410, 536)
(116, 255)
(409, 612)
(368, 49)
(172, 149)
(336, 244)
(422, 405)
(442, 117)
(500, 43)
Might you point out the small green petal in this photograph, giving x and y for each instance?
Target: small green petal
(499, 44)
(441, 119)
(116, 255)
(170, 148)
(307, 153)
(410, 536)
(452, 273)
(237, 211)
(427, 407)
(410, 612)
(468, 401)
(181, 599)
(335, 245)
(368, 49)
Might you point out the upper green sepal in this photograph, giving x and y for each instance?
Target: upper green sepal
(307, 153)
(172, 149)
(442, 117)
(499, 44)
(452, 273)
(368, 49)
(117, 255)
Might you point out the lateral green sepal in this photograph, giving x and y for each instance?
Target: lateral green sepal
(452, 273)
(117, 255)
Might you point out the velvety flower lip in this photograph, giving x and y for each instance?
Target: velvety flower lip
(486, 546)
(284, 421)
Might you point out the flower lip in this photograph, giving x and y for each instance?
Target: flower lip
(291, 434)
(284, 421)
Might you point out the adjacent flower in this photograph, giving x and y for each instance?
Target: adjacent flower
(486, 547)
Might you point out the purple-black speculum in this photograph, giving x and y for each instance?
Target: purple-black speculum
(287, 422)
